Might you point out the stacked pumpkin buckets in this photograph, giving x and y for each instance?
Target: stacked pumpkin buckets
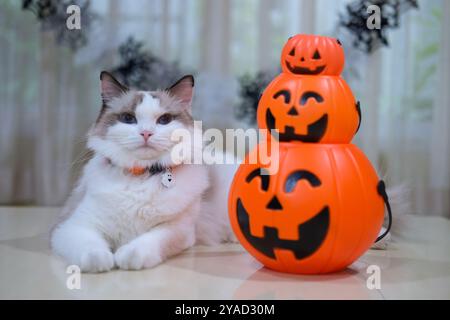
(324, 205)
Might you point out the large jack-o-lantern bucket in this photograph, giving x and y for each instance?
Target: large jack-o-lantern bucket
(320, 212)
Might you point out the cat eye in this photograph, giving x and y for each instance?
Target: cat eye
(165, 119)
(127, 117)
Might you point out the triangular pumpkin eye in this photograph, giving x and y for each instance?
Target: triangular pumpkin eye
(292, 53)
(316, 55)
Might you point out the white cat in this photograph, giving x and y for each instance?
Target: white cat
(133, 207)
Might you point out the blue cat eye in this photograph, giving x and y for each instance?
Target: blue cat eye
(127, 117)
(165, 119)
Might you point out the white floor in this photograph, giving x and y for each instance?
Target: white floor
(416, 265)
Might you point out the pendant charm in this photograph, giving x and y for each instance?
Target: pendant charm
(167, 179)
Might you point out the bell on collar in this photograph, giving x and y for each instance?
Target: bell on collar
(167, 179)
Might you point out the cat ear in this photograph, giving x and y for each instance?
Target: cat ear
(183, 90)
(110, 87)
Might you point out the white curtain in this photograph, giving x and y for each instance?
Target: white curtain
(49, 95)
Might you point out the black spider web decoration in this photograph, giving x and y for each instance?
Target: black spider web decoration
(142, 69)
(355, 21)
(52, 16)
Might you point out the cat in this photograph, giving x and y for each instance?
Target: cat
(133, 206)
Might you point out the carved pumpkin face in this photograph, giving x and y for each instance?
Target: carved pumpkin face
(316, 109)
(312, 55)
(309, 217)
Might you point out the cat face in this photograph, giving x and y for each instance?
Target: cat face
(135, 127)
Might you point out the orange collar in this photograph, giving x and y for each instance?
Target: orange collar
(138, 171)
(154, 169)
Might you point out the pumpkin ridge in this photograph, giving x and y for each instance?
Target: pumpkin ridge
(360, 180)
(348, 121)
(332, 127)
(334, 172)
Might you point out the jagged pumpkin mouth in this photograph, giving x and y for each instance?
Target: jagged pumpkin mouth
(311, 234)
(303, 70)
(316, 130)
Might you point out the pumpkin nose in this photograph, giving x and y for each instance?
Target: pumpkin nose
(274, 204)
(293, 111)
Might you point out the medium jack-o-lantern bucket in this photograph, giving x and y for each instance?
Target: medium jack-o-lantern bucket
(309, 109)
(321, 211)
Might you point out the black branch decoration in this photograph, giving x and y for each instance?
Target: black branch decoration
(52, 16)
(355, 21)
(250, 89)
(141, 69)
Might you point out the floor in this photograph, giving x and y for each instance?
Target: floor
(416, 265)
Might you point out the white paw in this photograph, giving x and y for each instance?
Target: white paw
(97, 260)
(135, 257)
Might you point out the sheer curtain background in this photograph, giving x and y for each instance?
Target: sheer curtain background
(49, 96)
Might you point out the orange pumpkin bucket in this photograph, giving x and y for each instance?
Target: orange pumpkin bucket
(309, 109)
(305, 54)
(324, 207)
(320, 212)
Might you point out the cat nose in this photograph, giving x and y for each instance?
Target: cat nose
(146, 134)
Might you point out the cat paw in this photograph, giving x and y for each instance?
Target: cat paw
(99, 260)
(135, 257)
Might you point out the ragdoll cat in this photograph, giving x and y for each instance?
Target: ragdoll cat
(133, 206)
